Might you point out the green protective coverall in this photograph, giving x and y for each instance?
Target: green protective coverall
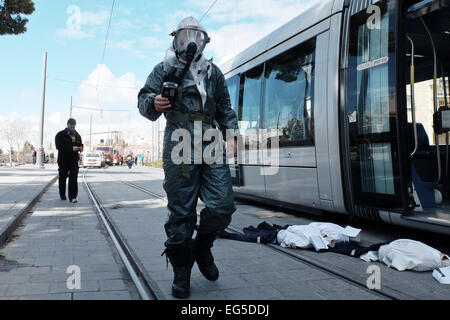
(212, 183)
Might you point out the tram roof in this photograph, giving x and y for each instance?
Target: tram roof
(302, 22)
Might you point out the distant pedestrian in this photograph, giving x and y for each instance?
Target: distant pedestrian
(142, 159)
(121, 160)
(33, 157)
(69, 145)
(52, 158)
(135, 161)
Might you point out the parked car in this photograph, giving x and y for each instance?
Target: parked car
(92, 160)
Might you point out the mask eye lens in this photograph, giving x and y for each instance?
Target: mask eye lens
(199, 39)
(182, 38)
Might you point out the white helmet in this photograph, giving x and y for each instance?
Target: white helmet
(189, 31)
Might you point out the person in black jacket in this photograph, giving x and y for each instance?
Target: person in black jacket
(69, 145)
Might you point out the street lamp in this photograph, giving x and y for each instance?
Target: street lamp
(40, 151)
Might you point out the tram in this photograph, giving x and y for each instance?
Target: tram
(357, 94)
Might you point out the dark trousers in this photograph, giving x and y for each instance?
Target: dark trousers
(68, 170)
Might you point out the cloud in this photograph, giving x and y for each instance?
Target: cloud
(153, 42)
(129, 46)
(157, 28)
(74, 34)
(94, 18)
(121, 90)
(231, 39)
(82, 24)
(123, 45)
(127, 12)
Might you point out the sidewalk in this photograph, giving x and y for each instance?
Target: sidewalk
(19, 188)
(57, 235)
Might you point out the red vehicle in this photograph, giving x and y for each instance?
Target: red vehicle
(107, 152)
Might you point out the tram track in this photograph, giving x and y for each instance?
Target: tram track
(133, 267)
(344, 275)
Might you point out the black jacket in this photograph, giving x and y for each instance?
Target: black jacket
(65, 145)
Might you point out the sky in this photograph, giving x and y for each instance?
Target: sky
(73, 33)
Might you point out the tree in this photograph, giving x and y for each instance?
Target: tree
(12, 131)
(20, 136)
(11, 11)
(8, 132)
(28, 147)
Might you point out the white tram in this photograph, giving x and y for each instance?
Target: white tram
(357, 92)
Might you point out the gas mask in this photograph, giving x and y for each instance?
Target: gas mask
(188, 34)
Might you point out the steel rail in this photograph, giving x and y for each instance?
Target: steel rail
(141, 284)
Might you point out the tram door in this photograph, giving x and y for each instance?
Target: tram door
(376, 154)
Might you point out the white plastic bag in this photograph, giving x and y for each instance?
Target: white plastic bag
(303, 237)
(335, 231)
(407, 254)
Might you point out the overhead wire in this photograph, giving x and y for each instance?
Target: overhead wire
(207, 11)
(104, 50)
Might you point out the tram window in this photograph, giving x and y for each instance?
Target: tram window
(371, 105)
(233, 86)
(369, 54)
(250, 101)
(288, 102)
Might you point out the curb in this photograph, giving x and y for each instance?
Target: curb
(7, 231)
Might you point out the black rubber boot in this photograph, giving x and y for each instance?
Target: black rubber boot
(182, 260)
(203, 256)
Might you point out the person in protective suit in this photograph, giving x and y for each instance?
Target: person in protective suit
(202, 99)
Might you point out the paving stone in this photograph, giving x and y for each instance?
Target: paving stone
(253, 293)
(53, 296)
(223, 283)
(6, 278)
(108, 295)
(3, 288)
(100, 275)
(27, 289)
(332, 285)
(299, 291)
(61, 287)
(103, 267)
(112, 285)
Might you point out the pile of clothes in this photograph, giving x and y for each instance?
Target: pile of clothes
(403, 254)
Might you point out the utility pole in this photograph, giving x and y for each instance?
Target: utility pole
(40, 153)
(71, 106)
(90, 135)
